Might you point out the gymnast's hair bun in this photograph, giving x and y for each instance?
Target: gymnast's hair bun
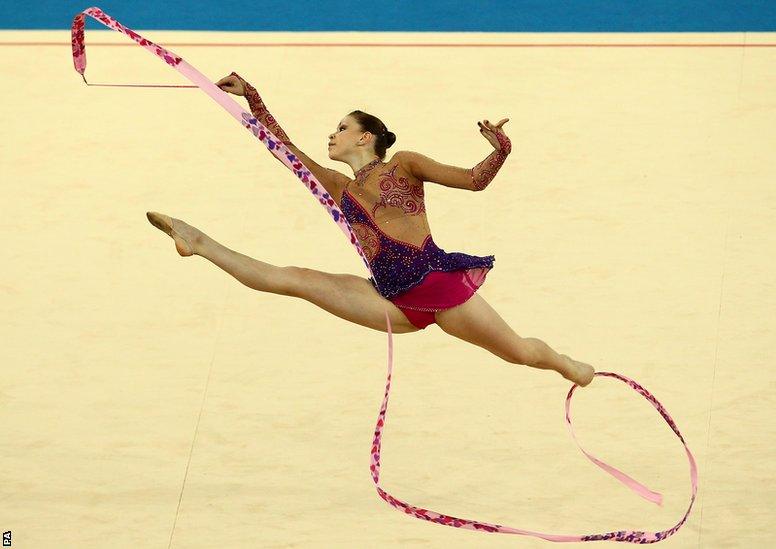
(390, 139)
(375, 126)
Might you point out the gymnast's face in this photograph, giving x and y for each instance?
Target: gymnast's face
(344, 140)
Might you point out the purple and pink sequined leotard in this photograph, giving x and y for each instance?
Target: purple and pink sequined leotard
(399, 266)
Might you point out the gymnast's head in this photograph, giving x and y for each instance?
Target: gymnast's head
(360, 135)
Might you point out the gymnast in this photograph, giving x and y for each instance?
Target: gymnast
(417, 283)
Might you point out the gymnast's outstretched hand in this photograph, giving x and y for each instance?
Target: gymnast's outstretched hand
(492, 134)
(232, 84)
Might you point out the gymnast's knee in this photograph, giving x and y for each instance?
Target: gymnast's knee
(297, 281)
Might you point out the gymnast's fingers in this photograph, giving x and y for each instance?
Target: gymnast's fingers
(487, 129)
(491, 137)
(496, 127)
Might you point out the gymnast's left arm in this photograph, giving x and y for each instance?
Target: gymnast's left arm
(474, 179)
(332, 180)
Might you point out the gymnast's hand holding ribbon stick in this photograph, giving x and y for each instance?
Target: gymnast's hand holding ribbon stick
(232, 84)
(263, 126)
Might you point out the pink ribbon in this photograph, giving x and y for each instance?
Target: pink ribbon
(632, 536)
(277, 148)
(275, 145)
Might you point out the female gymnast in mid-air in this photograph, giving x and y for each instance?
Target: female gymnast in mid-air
(419, 283)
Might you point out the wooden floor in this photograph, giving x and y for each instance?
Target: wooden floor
(149, 400)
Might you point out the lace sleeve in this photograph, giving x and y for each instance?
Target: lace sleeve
(260, 111)
(332, 180)
(484, 172)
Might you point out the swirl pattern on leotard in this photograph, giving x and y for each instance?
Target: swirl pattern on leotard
(368, 238)
(398, 192)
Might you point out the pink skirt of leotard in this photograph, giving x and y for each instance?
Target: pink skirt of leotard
(439, 291)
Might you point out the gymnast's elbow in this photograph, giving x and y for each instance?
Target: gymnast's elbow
(477, 186)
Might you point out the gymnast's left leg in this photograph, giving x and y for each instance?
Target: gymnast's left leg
(476, 322)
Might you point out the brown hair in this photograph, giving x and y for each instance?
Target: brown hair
(373, 125)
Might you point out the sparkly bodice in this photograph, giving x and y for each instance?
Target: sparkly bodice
(397, 265)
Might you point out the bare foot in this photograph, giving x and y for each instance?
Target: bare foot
(187, 238)
(580, 373)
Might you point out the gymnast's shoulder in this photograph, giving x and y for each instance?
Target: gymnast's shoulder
(407, 160)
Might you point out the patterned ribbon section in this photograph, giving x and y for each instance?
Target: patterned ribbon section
(633, 536)
(277, 148)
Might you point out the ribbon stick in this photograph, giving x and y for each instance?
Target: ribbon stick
(279, 150)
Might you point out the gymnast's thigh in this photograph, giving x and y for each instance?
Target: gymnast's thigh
(347, 296)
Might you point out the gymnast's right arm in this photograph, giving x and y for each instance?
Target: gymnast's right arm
(332, 180)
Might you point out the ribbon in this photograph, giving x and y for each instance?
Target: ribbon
(633, 536)
(277, 148)
(275, 145)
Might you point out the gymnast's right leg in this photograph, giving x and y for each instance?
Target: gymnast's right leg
(347, 296)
